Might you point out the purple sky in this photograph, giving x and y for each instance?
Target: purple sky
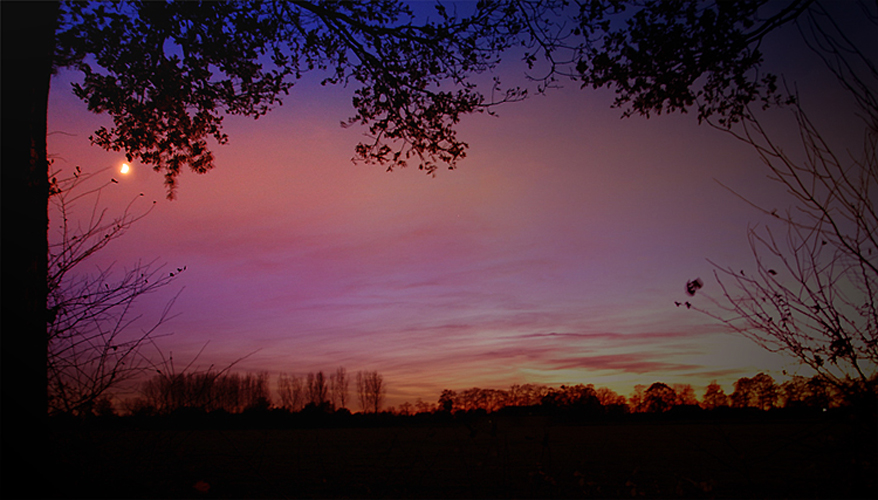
(553, 254)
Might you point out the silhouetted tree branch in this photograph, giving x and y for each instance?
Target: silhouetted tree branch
(660, 56)
(813, 292)
(90, 347)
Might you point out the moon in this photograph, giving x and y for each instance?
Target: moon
(125, 168)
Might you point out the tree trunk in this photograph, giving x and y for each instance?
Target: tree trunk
(28, 35)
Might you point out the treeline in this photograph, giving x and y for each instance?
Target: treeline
(758, 392)
(237, 393)
(318, 393)
(331, 393)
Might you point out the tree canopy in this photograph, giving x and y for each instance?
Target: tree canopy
(168, 72)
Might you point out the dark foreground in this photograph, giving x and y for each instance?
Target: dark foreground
(483, 457)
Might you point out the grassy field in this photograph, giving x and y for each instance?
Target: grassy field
(488, 457)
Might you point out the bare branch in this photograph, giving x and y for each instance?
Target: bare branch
(90, 347)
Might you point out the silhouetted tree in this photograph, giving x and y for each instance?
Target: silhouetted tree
(258, 393)
(636, 399)
(764, 391)
(338, 388)
(580, 397)
(291, 390)
(447, 400)
(318, 392)
(662, 56)
(609, 397)
(685, 395)
(744, 395)
(422, 406)
(371, 390)
(820, 393)
(406, 409)
(470, 399)
(714, 397)
(794, 391)
(659, 398)
(527, 394)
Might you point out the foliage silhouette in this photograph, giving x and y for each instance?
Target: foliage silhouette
(714, 397)
(168, 72)
(659, 398)
(662, 57)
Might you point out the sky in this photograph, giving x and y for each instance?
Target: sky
(553, 254)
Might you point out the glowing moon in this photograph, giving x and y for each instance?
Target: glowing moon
(125, 168)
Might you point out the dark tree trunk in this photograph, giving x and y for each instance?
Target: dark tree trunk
(28, 34)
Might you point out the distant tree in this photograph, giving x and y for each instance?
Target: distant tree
(580, 397)
(814, 392)
(714, 397)
(371, 389)
(636, 399)
(659, 398)
(485, 399)
(218, 391)
(104, 407)
(820, 393)
(422, 406)
(533, 393)
(744, 395)
(257, 391)
(338, 388)
(470, 399)
(794, 391)
(685, 395)
(361, 391)
(513, 395)
(447, 401)
(765, 391)
(291, 390)
(318, 392)
(406, 409)
(609, 397)
(495, 399)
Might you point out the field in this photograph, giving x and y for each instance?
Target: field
(486, 457)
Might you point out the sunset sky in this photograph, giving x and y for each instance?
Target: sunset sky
(553, 254)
